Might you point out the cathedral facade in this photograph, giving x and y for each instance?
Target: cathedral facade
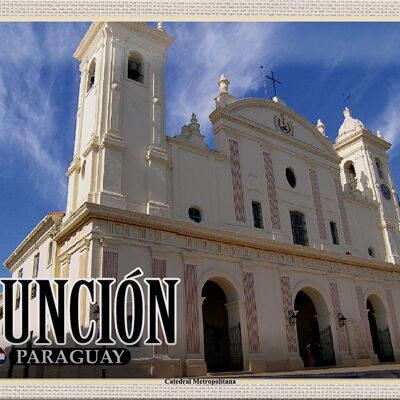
(287, 246)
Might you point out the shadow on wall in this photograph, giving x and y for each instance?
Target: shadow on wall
(366, 190)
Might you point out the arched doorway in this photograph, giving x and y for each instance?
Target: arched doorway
(222, 335)
(313, 329)
(379, 328)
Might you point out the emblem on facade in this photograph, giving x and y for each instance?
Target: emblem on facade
(282, 124)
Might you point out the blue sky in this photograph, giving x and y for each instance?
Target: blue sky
(316, 62)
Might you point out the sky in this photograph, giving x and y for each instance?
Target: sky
(316, 63)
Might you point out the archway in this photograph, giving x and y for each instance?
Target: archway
(379, 328)
(221, 326)
(350, 171)
(313, 329)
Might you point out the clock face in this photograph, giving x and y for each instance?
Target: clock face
(385, 192)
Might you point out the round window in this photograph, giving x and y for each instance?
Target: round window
(194, 214)
(290, 177)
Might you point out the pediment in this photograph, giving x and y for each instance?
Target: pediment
(284, 122)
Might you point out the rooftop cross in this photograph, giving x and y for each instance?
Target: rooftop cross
(274, 81)
(346, 100)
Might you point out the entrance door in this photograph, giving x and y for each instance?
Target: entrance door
(328, 353)
(386, 345)
(381, 340)
(222, 342)
(315, 345)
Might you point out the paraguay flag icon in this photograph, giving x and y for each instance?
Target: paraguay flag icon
(2, 356)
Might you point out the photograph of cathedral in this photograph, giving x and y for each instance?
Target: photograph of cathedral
(287, 245)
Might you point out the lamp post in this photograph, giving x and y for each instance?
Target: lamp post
(341, 320)
(292, 315)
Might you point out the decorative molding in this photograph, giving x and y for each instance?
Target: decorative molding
(110, 140)
(74, 166)
(365, 134)
(251, 312)
(192, 311)
(271, 191)
(157, 154)
(65, 258)
(117, 231)
(237, 181)
(141, 28)
(341, 331)
(135, 227)
(93, 145)
(364, 317)
(227, 114)
(317, 204)
(291, 334)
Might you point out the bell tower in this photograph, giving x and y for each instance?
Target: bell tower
(365, 171)
(120, 157)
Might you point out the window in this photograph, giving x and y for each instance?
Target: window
(18, 295)
(91, 75)
(50, 253)
(299, 229)
(257, 215)
(194, 214)
(135, 69)
(379, 168)
(291, 178)
(350, 171)
(334, 232)
(371, 252)
(34, 275)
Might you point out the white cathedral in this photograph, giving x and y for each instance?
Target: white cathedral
(285, 243)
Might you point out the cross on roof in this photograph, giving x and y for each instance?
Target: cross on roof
(346, 100)
(274, 81)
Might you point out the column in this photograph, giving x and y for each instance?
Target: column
(271, 192)
(294, 361)
(251, 312)
(195, 365)
(341, 333)
(362, 330)
(157, 156)
(237, 181)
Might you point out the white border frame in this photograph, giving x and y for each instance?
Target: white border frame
(199, 10)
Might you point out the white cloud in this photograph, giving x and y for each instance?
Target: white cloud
(202, 53)
(389, 120)
(31, 60)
